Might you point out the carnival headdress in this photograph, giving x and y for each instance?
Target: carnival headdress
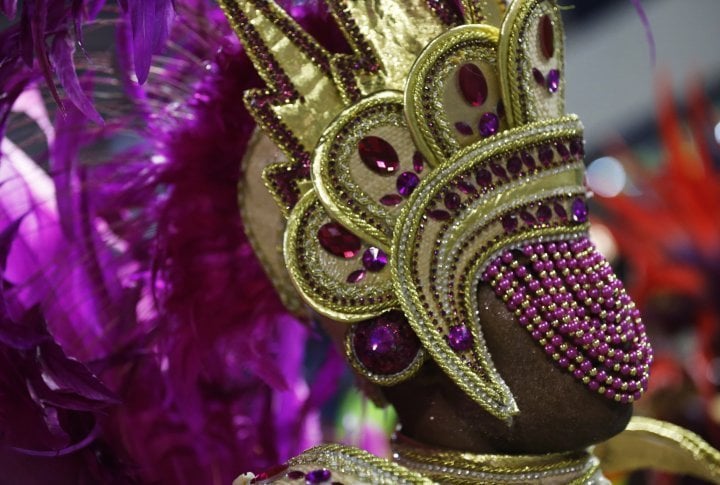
(433, 157)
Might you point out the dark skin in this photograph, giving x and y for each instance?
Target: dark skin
(557, 413)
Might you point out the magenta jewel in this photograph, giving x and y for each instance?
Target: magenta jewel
(514, 165)
(483, 177)
(460, 338)
(356, 276)
(576, 148)
(385, 345)
(553, 80)
(391, 200)
(545, 155)
(509, 223)
(473, 85)
(489, 124)
(318, 476)
(406, 183)
(466, 187)
(562, 150)
(528, 218)
(439, 215)
(338, 241)
(560, 211)
(418, 162)
(544, 213)
(463, 128)
(579, 211)
(538, 76)
(378, 155)
(452, 201)
(374, 259)
(547, 37)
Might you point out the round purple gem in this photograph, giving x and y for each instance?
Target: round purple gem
(460, 338)
(489, 124)
(318, 476)
(579, 210)
(374, 259)
(553, 80)
(544, 213)
(463, 128)
(406, 183)
(385, 345)
(509, 223)
(514, 165)
(483, 177)
(356, 276)
(452, 201)
(391, 200)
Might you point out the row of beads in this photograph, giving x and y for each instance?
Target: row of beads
(566, 295)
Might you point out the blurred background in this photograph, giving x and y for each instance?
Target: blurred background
(652, 119)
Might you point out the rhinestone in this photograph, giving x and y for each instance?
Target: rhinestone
(378, 155)
(338, 241)
(473, 85)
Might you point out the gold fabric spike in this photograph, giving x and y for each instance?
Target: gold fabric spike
(483, 11)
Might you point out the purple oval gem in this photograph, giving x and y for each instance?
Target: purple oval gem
(483, 177)
(579, 211)
(528, 160)
(385, 345)
(406, 183)
(553, 80)
(338, 241)
(509, 223)
(356, 276)
(463, 128)
(547, 37)
(560, 211)
(452, 201)
(562, 150)
(528, 218)
(391, 200)
(538, 76)
(489, 124)
(418, 162)
(544, 213)
(466, 187)
(473, 85)
(439, 215)
(498, 170)
(545, 155)
(378, 155)
(460, 338)
(296, 475)
(576, 148)
(318, 476)
(514, 165)
(374, 259)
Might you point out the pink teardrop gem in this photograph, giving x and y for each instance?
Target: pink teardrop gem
(473, 85)
(378, 155)
(547, 37)
(338, 241)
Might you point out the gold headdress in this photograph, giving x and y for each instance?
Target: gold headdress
(406, 167)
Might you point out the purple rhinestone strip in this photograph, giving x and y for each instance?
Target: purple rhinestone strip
(568, 298)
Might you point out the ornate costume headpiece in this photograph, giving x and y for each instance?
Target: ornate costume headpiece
(435, 157)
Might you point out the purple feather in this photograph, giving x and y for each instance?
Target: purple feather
(9, 8)
(62, 59)
(648, 29)
(150, 21)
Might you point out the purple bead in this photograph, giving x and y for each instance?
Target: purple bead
(562, 150)
(576, 147)
(544, 213)
(452, 201)
(460, 338)
(406, 183)
(528, 218)
(295, 475)
(489, 124)
(539, 78)
(439, 215)
(374, 259)
(318, 476)
(391, 200)
(385, 345)
(545, 155)
(466, 187)
(418, 162)
(560, 211)
(579, 211)
(528, 160)
(553, 80)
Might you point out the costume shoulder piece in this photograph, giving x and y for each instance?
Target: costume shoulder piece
(336, 464)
